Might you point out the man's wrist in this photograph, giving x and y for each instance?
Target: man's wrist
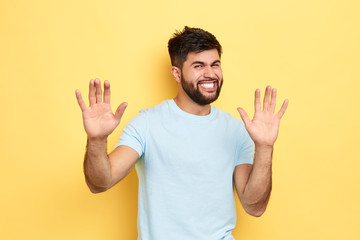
(264, 148)
(263, 154)
(97, 140)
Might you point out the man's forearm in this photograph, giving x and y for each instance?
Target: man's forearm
(97, 167)
(258, 188)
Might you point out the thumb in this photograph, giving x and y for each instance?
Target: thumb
(120, 110)
(244, 116)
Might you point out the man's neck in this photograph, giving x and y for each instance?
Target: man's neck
(188, 105)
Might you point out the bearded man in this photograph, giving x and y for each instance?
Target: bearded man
(188, 154)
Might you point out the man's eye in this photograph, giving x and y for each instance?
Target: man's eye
(197, 66)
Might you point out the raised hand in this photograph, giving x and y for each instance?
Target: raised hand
(264, 127)
(99, 120)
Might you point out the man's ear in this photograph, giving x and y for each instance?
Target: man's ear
(176, 72)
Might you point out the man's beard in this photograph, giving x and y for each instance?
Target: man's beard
(194, 93)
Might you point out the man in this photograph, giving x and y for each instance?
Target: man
(188, 154)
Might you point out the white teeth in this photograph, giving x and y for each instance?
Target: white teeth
(208, 85)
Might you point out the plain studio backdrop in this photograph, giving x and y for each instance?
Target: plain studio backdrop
(309, 50)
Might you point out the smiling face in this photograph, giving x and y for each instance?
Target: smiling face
(201, 76)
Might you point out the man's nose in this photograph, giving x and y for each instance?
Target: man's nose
(209, 72)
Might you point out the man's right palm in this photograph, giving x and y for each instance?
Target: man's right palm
(99, 120)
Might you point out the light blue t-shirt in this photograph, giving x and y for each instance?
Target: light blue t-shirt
(185, 171)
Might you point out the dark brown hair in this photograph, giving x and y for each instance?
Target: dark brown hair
(190, 40)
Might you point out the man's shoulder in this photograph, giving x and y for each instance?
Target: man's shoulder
(163, 106)
(227, 116)
(153, 112)
(146, 118)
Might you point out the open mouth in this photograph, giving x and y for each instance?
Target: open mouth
(208, 85)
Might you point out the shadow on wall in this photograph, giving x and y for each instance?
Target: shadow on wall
(127, 194)
(165, 84)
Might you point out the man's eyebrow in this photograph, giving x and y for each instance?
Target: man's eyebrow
(197, 62)
(202, 63)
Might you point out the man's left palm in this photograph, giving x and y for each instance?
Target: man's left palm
(264, 127)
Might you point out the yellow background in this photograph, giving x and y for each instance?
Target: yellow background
(309, 50)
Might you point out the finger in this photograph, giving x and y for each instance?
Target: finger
(244, 116)
(98, 90)
(106, 92)
(80, 100)
(283, 108)
(257, 100)
(273, 100)
(120, 111)
(266, 98)
(91, 93)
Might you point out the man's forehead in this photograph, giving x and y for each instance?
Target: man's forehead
(207, 55)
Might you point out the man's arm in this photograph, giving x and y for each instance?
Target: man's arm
(101, 170)
(253, 182)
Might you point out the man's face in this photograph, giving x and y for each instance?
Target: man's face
(201, 76)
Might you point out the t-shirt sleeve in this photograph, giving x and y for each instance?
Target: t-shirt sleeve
(134, 134)
(246, 148)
